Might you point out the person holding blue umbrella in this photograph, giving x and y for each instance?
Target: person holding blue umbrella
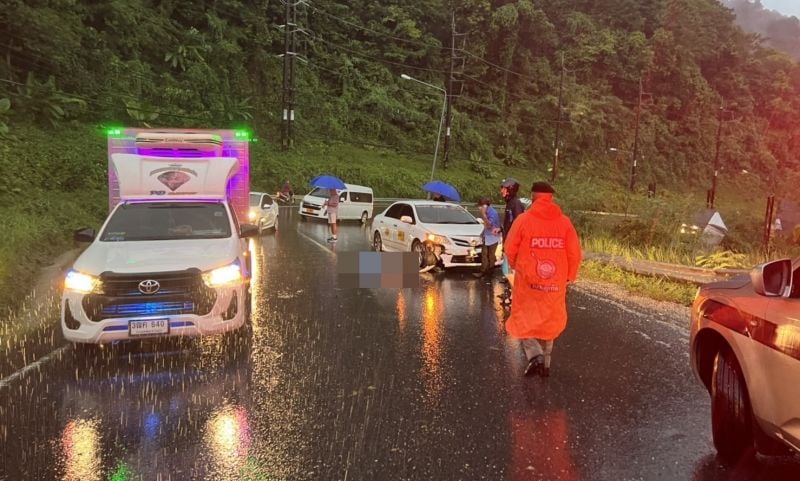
(442, 191)
(333, 184)
(332, 204)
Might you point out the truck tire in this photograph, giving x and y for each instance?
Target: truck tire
(731, 415)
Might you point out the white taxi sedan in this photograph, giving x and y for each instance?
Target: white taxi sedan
(745, 349)
(407, 225)
(263, 212)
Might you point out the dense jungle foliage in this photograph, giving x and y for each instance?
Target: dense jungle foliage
(215, 63)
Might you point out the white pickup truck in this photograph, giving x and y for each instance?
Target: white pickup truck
(172, 257)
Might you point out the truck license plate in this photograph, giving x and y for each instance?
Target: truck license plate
(149, 327)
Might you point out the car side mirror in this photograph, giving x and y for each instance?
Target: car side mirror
(248, 230)
(772, 279)
(84, 235)
(406, 219)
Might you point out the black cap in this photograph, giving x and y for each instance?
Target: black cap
(484, 201)
(542, 188)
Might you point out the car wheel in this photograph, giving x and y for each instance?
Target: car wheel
(261, 228)
(731, 416)
(274, 227)
(364, 217)
(417, 247)
(377, 242)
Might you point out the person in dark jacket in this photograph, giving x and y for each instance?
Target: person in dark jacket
(514, 208)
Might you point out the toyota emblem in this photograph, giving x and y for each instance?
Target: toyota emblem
(473, 242)
(149, 286)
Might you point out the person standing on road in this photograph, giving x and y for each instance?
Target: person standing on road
(514, 208)
(492, 234)
(545, 252)
(333, 209)
(287, 193)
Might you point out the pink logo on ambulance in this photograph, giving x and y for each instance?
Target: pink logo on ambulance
(174, 179)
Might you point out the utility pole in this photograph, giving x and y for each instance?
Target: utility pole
(456, 68)
(558, 121)
(636, 136)
(713, 193)
(289, 52)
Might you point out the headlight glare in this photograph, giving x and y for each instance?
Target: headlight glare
(230, 274)
(437, 239)
(251, 215)
(83, 283)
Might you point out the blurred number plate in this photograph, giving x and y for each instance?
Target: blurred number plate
(149, 327)
(309, 211)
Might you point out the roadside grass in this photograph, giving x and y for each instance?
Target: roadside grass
(656, 288)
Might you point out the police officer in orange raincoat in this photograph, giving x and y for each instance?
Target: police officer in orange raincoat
(544, 250)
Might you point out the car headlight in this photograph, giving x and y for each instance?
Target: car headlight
(437, 239)
(79, 282)
(223, 276)
(251, 215)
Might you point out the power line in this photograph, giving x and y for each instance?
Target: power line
(477, 57)
(375, 59)
(375, 32)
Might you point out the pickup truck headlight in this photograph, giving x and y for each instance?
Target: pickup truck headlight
(223, 276)
(437, 239)
(79, 282)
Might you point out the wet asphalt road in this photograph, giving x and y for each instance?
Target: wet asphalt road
(357, 384)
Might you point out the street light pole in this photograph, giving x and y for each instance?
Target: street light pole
(441, 118)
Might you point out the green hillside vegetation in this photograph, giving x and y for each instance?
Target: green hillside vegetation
(69, 66)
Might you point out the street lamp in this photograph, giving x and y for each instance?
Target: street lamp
(441, 119)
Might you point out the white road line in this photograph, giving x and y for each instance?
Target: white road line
(13, 377)
(317, 243)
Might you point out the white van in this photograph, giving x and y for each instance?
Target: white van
(355, 203)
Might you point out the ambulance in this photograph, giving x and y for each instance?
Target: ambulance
(172, 257)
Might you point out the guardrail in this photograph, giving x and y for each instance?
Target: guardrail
(694, 275)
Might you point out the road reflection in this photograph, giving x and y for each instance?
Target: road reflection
(228, 440)
(432, 343)
(80, 445)
(540, 446)
(150, 398)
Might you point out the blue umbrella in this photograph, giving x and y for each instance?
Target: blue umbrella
(328, 182)
(442, 188)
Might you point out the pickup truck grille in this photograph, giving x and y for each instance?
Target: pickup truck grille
(181, 292)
